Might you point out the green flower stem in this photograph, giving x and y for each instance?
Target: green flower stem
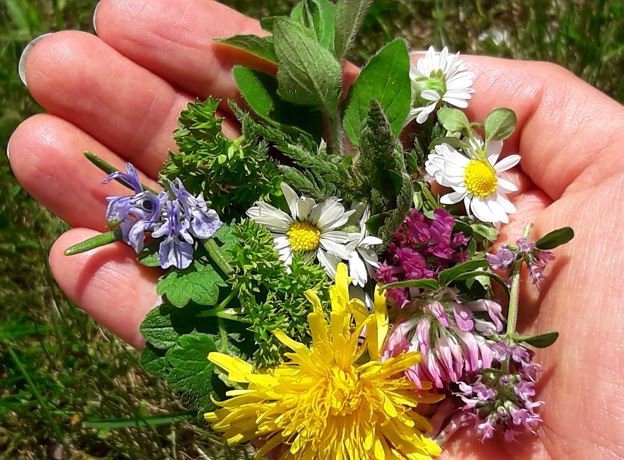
(335, 133)
(215, 253)
(514, 294)
(95, 242)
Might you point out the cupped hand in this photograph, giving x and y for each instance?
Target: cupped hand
(118, 94)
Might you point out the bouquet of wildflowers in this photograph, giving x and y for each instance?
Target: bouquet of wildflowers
(329, 287)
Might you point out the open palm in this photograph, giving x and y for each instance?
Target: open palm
(119, 94)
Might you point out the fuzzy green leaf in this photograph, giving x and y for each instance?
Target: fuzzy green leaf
(260, 92)
(453, 120)
(350, 15)
(320, 17)
(261, 47)
(555, 238)
(499, 124)
(198, 283)
(307, 73)
(386, 79)
(450, 274)
(163, 325)
(542, 340)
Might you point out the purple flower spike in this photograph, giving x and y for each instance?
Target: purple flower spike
(177, 247)
(130, 179)
(204, 222)
(501, 259)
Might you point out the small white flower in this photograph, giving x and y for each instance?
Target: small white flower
(475, 179)
(437, 78)
(310, 227)
(363, 260)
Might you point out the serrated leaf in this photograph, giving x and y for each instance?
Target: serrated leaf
(350, 15)
(555, 238)
(163, 325)
(261, 47)
(307, 74)
(386, 79)
(199, 284)
(450, 274)
(420, 284)
(453, 120)
(190, 369)
(153, 361)
(260, 92)
(499, 124)
(541, 340)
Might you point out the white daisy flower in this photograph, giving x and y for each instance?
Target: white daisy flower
(475, 179)
(437, 78)
(363, 260)
(309, 228)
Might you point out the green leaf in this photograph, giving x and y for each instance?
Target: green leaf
(499, 124)
(555, 238)
(260, 92)
(149, 256)
(450, 274)
(489, 232)
(420, 284)
(320, 17)
(198, 283)
(163, 325)
(350, 15)
(261, 47)
(452, 141)
(540, 341)
(307, 74)
(190, 369)
(386, 79)
(453, 120)
(477, 274)
(153, 361)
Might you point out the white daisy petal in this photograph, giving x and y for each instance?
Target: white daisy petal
(329, 262)
(335, 248)
(430, 95)
(507, 185)
(481, 210)
(497, 211)
(493, 150)
(506, 204)
(357, 270)
(275, 220)
(452, 198)
(292, 199)
(507, 163)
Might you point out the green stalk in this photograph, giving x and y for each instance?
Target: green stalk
(215, 253)
(514, 294)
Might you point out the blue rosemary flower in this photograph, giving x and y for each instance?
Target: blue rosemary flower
(177, 217)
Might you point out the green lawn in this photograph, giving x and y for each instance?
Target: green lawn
(68, 389)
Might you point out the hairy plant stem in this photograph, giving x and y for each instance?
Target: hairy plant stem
(335, 134)
(514, 294)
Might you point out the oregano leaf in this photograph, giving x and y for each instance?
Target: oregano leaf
(386, 79)
(307, 74)
(450, 274)
(541, 340)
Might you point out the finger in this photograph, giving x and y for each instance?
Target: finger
(78, 77)
(567, 130)
(107, 283)
(176, 40)
(46, 157)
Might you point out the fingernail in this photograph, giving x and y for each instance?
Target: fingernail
(8, 147)
(21, 67)
(95, 16)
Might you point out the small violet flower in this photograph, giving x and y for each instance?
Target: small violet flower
(536, 259)
(421, 248)
(450, 338)
(178, 217)
(501, 398)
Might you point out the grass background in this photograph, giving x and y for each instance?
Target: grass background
(68, 388)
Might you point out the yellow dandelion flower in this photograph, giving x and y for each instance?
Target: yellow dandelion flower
(331, 400)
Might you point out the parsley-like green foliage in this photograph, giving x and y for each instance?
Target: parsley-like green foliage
(304, 165)
(232, 174)
(270, 297)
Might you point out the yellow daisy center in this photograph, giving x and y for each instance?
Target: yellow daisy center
(303, 236)
(480, 178)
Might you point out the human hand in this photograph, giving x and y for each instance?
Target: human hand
(119, 95)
